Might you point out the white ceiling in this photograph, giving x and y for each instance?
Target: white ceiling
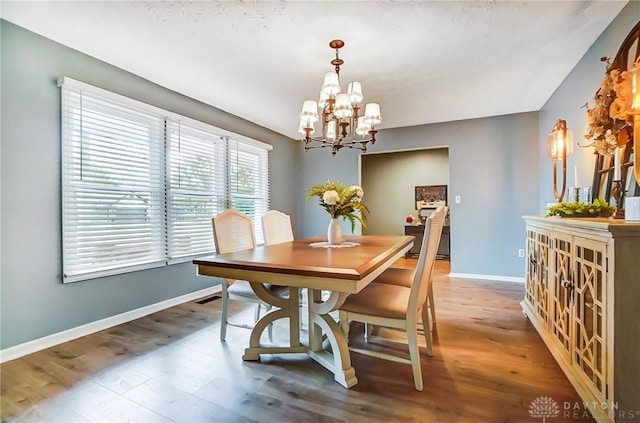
(423, 61)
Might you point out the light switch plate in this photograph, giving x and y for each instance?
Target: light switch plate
(457, 199)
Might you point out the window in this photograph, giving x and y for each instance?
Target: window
(196, 189)
(140, 185)
(248, 190)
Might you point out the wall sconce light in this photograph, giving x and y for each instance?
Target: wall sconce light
(559, 147)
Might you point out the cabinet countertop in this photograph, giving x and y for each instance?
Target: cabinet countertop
(618, 227)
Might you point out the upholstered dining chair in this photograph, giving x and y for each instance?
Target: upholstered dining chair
(402, 277)
(233, 231)
(276, 227)
(396, 306)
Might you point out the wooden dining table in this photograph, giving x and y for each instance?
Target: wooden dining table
(309, 264)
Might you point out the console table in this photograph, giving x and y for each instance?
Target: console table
(582, 293)
(417, 231)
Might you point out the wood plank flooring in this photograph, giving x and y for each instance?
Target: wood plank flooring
(489, 364)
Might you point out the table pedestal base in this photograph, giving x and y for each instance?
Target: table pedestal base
(324, 332)
(288, 309)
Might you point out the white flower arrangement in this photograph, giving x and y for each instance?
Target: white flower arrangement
(341, 201)
(331, 197)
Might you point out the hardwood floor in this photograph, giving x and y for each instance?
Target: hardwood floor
(489, 364)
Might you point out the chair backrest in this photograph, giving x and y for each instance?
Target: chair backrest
(426, 260)
(276, 227)
(233, 231)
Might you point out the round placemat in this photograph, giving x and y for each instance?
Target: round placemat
(325, 244)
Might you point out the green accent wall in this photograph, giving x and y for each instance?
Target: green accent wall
(389, 181)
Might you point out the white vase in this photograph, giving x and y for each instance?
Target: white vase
(334, 233)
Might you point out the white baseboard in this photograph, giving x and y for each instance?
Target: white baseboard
(49, 341)
(516, 279)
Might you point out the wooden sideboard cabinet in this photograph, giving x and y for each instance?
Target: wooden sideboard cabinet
(583, 297)
(417, 231)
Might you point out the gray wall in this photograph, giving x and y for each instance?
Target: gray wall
(34, 302)
(497, 165)
(389, 181)
(493, 166)
(578, 88)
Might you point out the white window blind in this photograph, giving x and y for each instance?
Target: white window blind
(140, 185)
(197, 192)
(249, 182)
(113, 174)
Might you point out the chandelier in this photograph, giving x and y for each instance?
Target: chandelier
(342, 123)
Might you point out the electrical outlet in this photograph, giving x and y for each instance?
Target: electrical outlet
(521, 253)
(457, 199)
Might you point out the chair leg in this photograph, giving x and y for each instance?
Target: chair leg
(225, 311)
(368, 331)
(414, 353)
(432, 304)
(426, 327)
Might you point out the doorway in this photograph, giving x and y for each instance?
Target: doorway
(389, 180)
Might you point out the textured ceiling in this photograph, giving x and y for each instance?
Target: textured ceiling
(423, 61)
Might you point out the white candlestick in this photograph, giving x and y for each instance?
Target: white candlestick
(616, 165)
(575, 176)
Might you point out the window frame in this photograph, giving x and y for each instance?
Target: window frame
(226, 138)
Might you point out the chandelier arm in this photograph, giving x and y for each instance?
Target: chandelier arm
(362, 147)
(356, 145)
(352, 142)
(322, 143)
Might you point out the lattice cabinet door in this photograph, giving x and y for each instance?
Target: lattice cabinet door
(532, 267)
(560, 293)
(537, 270)
(589, 305)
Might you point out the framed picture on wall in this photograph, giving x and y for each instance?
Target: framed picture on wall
(430, 196)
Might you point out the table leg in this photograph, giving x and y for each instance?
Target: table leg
(288, 308)
(315, 333)
(322, 323)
